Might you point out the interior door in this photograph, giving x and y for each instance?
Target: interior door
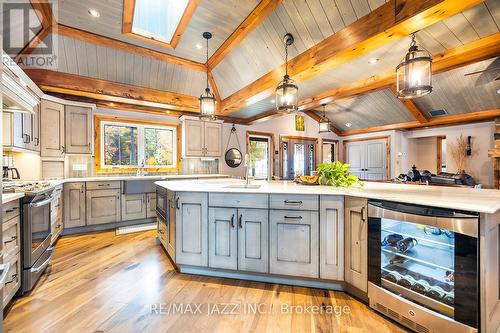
(355, 153)
(376, 157)
(298, 158)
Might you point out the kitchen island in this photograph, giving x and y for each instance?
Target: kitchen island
(325, 237)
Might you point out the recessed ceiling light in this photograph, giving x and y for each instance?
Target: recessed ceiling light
(272, 101)
(94, 12)
(199, 46)
(498, 91)
(348, 124)
(373, 60)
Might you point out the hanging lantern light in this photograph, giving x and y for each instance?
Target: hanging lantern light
(414, 73)
(287, 92)
(207, 98)
(324, 122)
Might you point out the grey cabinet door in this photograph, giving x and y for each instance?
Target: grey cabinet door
(331, 242)
(133, 206)
(294, 243)
(74, 205)
(51, 129)
(253, 254)
(193, 137)
(191, 229)
(356, 243)
(222, 238)
(78, 130)
(151, 205)
(103, 206)
(212, 139)
(171, 223)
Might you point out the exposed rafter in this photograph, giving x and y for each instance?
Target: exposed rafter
(259, 14)
(43, 12)
(412, 108)
(214, 86)
(28, 49)
(386, 24)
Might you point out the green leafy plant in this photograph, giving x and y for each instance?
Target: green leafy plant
(336, 174)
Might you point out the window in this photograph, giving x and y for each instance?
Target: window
(129, 145)
(260, 157)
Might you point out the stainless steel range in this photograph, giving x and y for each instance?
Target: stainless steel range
(36, 251)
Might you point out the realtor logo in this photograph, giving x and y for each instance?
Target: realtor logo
(27, 35)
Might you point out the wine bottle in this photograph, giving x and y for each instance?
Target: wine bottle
(406, 244)
(391, 240)
(422, 286)
(436, 292)
(407, 281)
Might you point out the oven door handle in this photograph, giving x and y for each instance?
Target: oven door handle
(45, 263)
(5, 271)
(41, 203)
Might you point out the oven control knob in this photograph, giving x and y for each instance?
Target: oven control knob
(411, 313)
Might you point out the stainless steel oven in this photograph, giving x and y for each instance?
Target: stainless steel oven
(423, 267)
(161, 202)
(36, 234)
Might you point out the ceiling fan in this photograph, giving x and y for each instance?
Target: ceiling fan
(490, 74)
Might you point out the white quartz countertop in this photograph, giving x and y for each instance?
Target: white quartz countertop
(56, 182)
(8, 197)
(469, 199)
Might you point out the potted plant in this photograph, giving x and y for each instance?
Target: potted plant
(336, 174)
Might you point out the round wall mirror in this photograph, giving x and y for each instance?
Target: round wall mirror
(233, 157)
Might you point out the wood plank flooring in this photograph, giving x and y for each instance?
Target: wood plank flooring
(105, 283)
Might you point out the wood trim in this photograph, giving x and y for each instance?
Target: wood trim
(317, 117)
(253, 20)
(269, 134)
(97, 143)
(479, 50)
(28, 49)
(378, 28)
(128, 21)
(387, 145)
(43, 11)
(439, 155)
(411, 107)
(211, 80)
(441, 121)
(127, 47)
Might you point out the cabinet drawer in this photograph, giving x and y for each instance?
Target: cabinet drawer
(238, 200)
(294, 202)
(11, 236)
(10, 210)
(163, 233)
(103, 185)
(13, 280)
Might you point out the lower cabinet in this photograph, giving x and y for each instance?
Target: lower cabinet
(74, 205)
(356, 242)
(103, 206)
(150, 205)
(171, 223)
(294, 243)
(13, 280)
(223, 238)
(191, 232)
(11, 241)
(331, 242)
(134, 206)
(56, 213)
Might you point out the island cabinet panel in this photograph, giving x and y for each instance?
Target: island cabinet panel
(171, 224)
(331, 243)
(192, 229)
(74, 205)
(356, 243)
(294, 202)
(253, 243)
(222, 238)
(52, 129)
(103, 206)
(238, 200)
(78, 130)
(150, 205)
(133, 206)
(294, 243)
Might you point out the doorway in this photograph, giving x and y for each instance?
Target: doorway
(298, 156)
(260, 147)
(329, 151)
(369, 158)
(441, 154)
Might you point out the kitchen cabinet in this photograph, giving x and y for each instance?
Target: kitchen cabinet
(253, 244)
(191, 232)
(356, 242)
(11, 239)
(294, 243)
(331, 242)
(151, 205)
(78, 129)
(56, 213)
(223, 238)
(52, 129)
(74, 205)
(103, 206)
(13, 280)
(201, 138)
(171, 199)
(21, 130)
(367, 158)
(133, 206)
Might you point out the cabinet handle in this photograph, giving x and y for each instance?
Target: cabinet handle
(26, 138)
(117, 197)
(363, 214)
(62, 149)
(102, 184)
(14, 277)
(239, 221)
(11, 210)
(232, 221)
(293, 217)
(291, 202)
(13, 238)
(177, 203)
(37, 141)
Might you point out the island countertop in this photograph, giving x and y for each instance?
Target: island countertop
(468, 199)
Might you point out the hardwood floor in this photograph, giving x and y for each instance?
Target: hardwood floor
(105, 283)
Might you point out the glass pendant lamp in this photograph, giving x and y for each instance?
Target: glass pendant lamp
(414, 73)
(324, 122)
(207, 98)
(287, 92)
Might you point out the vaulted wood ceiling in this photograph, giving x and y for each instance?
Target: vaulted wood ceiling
(334, 41)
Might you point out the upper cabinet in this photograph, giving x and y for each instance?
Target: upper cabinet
(201, 138)
(52, 129)
(22, 130)
(78, 122)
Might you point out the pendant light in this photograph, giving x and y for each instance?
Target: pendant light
(414, 73)
(287, 92)
(324, 122)
(207, 98)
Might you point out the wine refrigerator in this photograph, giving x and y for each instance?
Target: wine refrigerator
(423, 268)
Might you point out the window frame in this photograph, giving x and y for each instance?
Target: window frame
(141, 125)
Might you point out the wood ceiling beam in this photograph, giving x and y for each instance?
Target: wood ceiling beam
(476, 51)
(126, 47)
(441, 121)
(253, 20)
(317, 117)
(411, 107)
(71, 84)
(28, 49)
(43, 12)
(211, 80)
(386, 24)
